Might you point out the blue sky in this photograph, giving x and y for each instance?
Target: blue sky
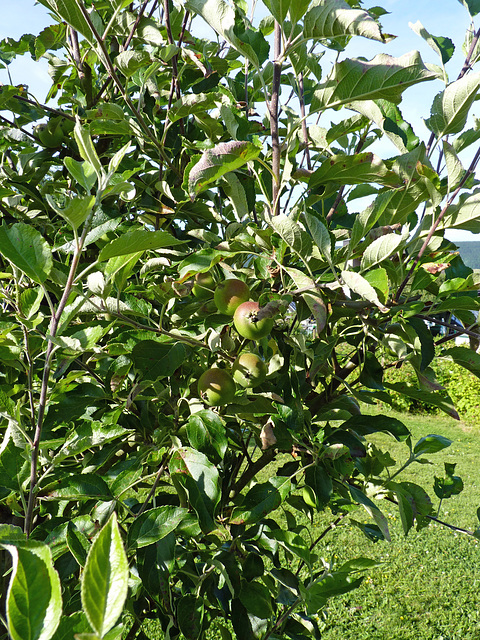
(439, 17)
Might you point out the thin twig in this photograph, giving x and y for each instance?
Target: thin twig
(434, 226)
(463, 71)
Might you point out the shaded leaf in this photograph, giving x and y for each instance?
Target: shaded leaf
(260, 500)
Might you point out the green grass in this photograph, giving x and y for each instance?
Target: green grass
(428, 583)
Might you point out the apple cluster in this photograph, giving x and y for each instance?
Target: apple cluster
(217, 386)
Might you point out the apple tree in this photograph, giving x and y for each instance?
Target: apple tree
(203, 280)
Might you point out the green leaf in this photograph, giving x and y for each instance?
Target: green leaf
(135, 241)
(105, 579)
(25, 248)
(292, 234)
(13, 465)
(464, 215)
(221, 16)
(473, 6)
(155, 562)
(333, 584)
(388, 117)
(381, 249)
(353, 169)
(455, 168)
(154, 525)
(77, 543)
(435, 399)
(206, 433)
(383, 77)
(279, 8)
(77, 210)
(131, 61)
(69, 11)
(425, 338)
(155, 360)
(216, 162)
(297, 9)
(364, 425)
(363, 288)
(260, 500)
(87, 150)
(320, 235)
(450, 485)
(293, 542)
(319, 480)
(256, 599)
(431, 444)
(450, 108)
(372, 510)
(336, 18)
(190, 612)
(465, 358)
(34, 599)
(444, 47)
(72, 626)
(82, 486)
(201, 481)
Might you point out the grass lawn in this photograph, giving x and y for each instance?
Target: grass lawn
(428, 584)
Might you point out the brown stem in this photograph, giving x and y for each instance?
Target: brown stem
(84, 71)
(111, 70)
(126, 44)
(339, 197)
(273, 108)
(16, 126)
(42, 404)
(154, 485)
(304, 122)
(44, 107)
(251, 471)
(458, 330)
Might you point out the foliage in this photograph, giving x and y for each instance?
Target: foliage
(169, 155)
(459, 384)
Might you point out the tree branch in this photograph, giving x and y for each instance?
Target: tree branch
(273, 109)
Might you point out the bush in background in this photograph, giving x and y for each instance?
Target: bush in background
(461, 385)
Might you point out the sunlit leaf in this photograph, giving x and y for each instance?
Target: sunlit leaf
(450, 108)
(105, 579)
(383, 77)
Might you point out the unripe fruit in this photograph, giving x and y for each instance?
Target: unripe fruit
(249, 370)
(203, 286)
(247, 323)
(229, 294)
(51, 134)
(216, 387)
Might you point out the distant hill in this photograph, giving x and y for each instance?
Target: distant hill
(470, 253)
